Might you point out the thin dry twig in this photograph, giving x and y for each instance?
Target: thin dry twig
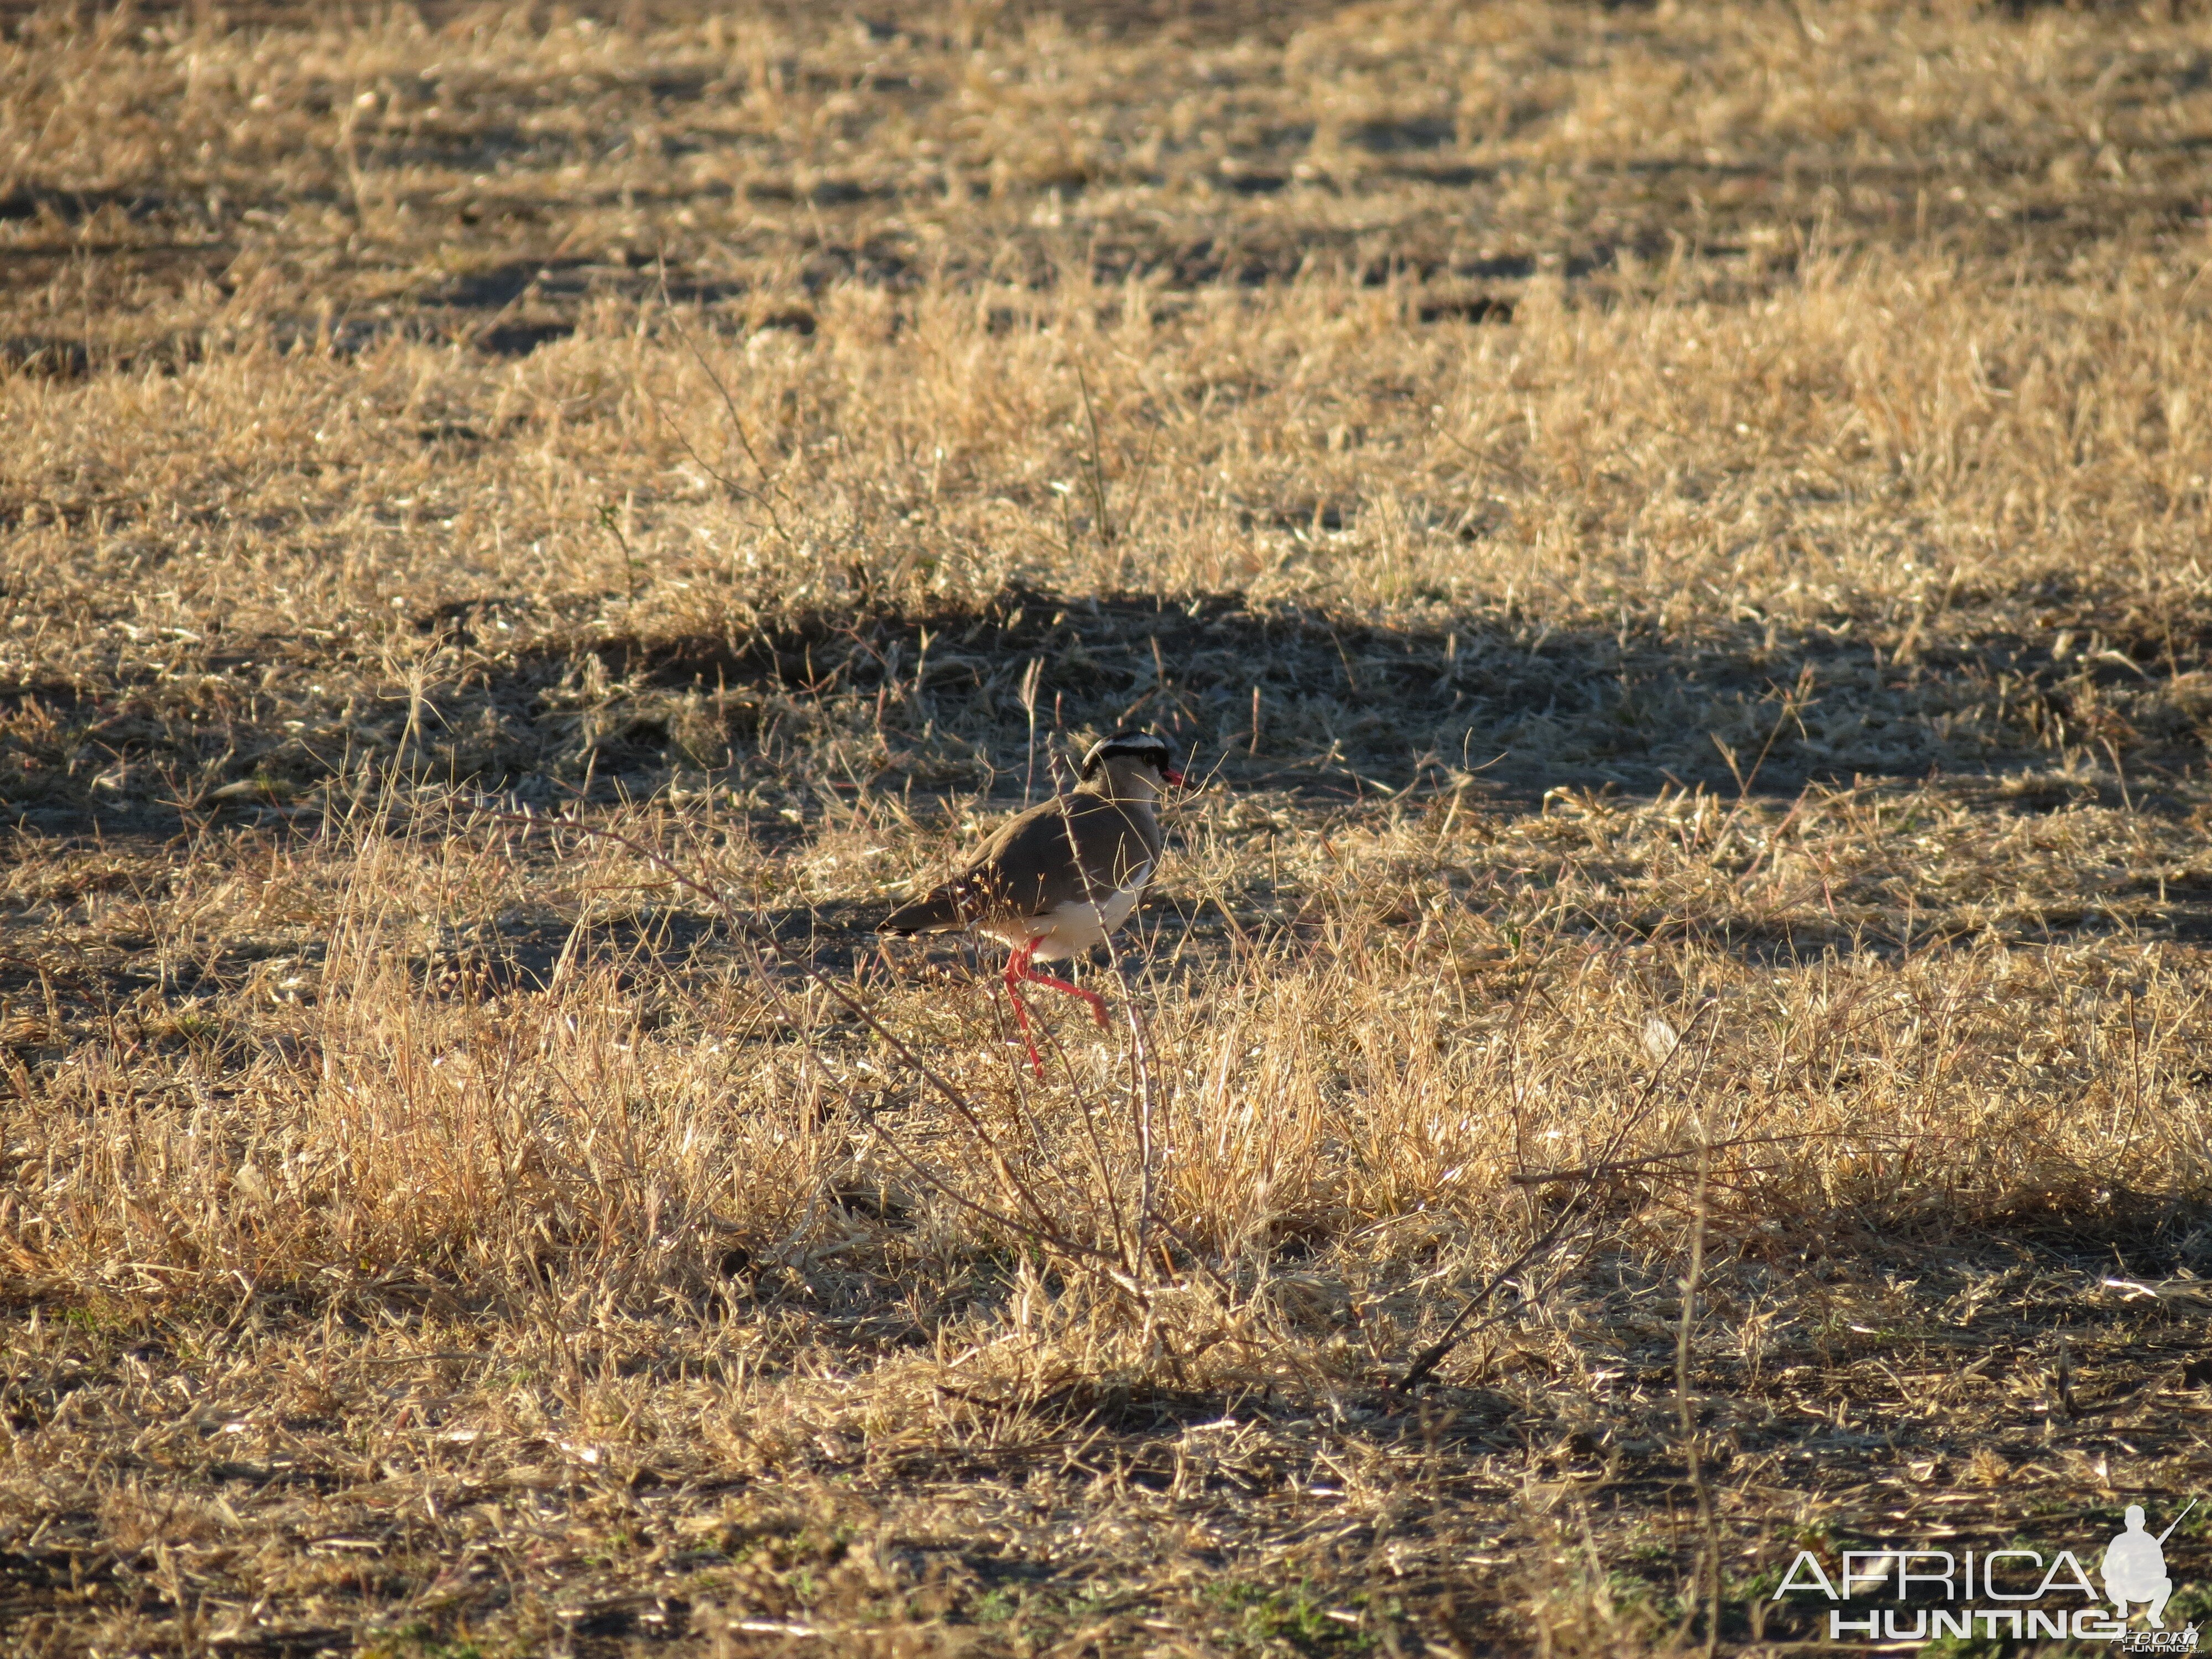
(759, 934)
(1426, 1363)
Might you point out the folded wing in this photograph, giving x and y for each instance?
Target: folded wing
(1077, 848)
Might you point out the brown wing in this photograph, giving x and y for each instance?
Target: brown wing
(1077, 848)
(1025, 868)
(975, 892)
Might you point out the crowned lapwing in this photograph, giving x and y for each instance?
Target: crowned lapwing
(1060, 876)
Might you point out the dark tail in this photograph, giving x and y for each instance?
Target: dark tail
(933, 913)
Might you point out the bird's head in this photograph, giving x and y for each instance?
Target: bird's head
(1137, 757)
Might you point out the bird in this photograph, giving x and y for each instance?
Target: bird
(1059, 878)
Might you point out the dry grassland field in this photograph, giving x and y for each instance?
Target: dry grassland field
(1674, 1028)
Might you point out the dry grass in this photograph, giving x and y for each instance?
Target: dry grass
(1675, 539)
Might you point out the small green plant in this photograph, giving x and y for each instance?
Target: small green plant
(996, 1606)
(1261, 1615)
(421, 1640)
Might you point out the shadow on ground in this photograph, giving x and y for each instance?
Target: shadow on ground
(546, 699)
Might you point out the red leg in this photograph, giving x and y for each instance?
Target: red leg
(1097, 1003)
(1018, 968)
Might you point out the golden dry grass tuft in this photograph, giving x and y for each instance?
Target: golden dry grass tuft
(1672, 539)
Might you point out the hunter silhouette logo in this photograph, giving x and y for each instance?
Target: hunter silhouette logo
(2063, 1603)
(2134, 1566)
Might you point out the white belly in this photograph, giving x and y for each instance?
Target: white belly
(1068, 928)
